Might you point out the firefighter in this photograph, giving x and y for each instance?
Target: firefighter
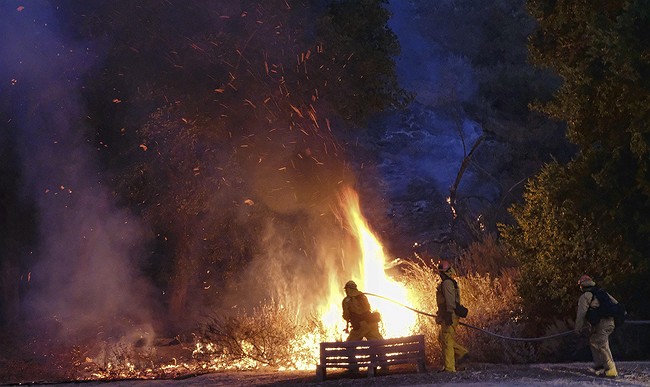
(356, 311)
(447, 297)
(599, 333)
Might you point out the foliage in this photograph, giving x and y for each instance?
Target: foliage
(601, 55)
(592, 214)
(486, 256)
(602, 59)
(490, 37)
(121, 360)
(493, 39)
(556, 239)
(311, 50)
(272, 335)
(220, 117)
(493, 304)
(268, 336)
(496, 305)
(361, 43)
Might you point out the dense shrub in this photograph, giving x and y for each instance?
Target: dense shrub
(555, 240)
(494, 306)
(271, 335)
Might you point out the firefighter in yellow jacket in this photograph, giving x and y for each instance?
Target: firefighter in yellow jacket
(447, 297)
(356, 311)
(599, 333)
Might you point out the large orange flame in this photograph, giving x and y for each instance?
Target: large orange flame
(369, 273)
(367, 269)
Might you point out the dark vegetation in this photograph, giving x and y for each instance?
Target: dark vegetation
(590, 214)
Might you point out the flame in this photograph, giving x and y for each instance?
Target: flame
(367, 270)
(370, 273)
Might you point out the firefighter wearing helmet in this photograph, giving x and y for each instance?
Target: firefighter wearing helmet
(447, 297)
(356, 311)
(600, 330)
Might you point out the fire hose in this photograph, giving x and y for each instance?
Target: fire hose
(492, 333)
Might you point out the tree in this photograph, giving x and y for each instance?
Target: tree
(599, 52)
(488, 41)
(359, 42)
(556, 238)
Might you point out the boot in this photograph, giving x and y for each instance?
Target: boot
(611, 373)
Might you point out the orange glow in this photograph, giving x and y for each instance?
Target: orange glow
(370, 274)
(367, 270)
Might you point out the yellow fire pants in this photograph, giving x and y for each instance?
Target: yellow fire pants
(450, 348)
(368, 330)
(599, 343)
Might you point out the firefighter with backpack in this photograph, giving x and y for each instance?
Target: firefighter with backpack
(590, 303)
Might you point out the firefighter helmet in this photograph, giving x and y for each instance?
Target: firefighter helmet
(444, 266)
(350, 285)
(586, 281)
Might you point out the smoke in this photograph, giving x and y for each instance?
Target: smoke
(301, 244)
(85, 277)
(287, 165)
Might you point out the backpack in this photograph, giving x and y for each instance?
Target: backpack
(607, 308)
